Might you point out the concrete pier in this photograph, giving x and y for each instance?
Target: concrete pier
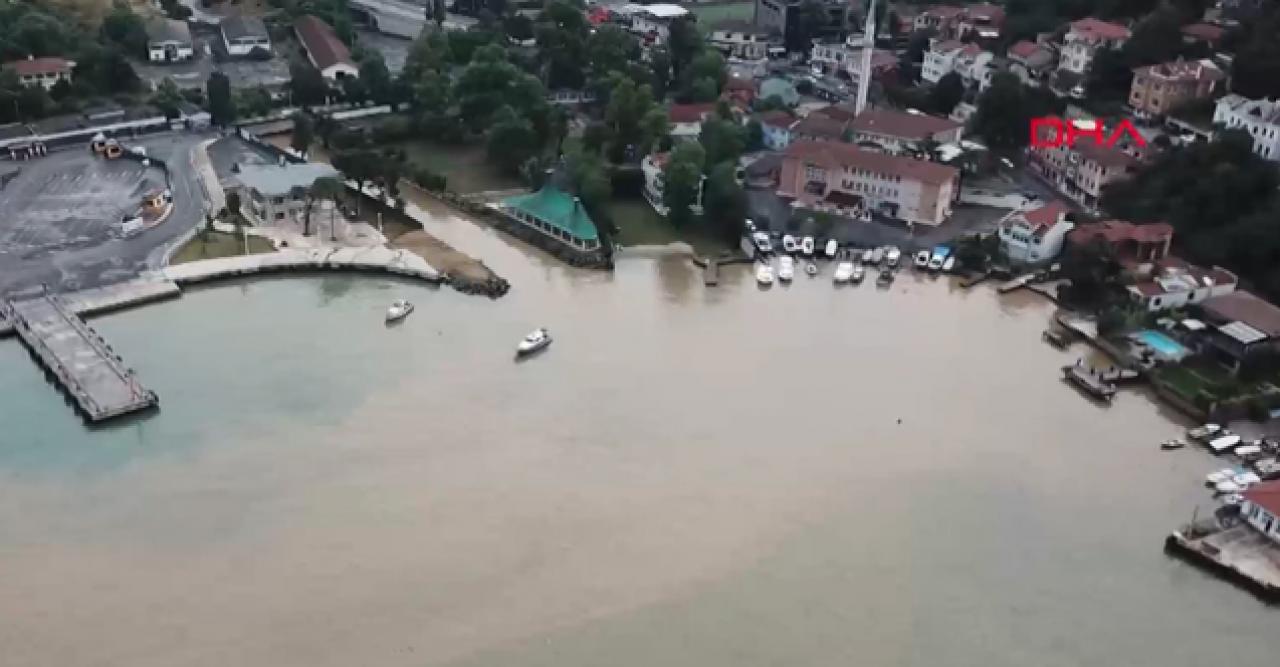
(79, 359)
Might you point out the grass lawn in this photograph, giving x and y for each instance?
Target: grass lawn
(218, 244)
(710, 15)
(466, 167)
(639, 224)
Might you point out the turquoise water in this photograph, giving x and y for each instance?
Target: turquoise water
(1166, 346)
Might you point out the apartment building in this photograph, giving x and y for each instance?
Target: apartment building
(1158, 89)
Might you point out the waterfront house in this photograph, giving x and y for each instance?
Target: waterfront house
(43, 72)
(1260, 118)
(940, 59)
(821, 175)
(740, 39)
(1081, 171)
(242, 34)
(324, 50)
(1036, 235)
(278, 192)
(1083, 41)
(1030, 62)
(776, 127)
(654, 166)
(1241, 323)
(556, 216)
(1261, 508)
(1158, 89)
(653, 22)
(979, 21)
(941, 19)
(819, 126)
(686, 120)
(1132, 245)
(900, 132)
(168, 41)
(1174, 283)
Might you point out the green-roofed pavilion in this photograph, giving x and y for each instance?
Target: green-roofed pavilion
(556, 214)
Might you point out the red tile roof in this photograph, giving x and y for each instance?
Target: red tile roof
(1204, 31)
(986, 11)
(821, 126)
(777, 118)
(689, 113)
(1045, 217)
(323, 45)
(1115, 231)
(848, 155)
(887, 122)
(1265, 495)
(1103, 155)
(40, 66)
(1091, 28)
(1184, 70)
(1024, 49)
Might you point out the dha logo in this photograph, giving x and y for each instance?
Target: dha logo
(1053, 132)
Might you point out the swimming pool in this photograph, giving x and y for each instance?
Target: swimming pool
(1162, 344)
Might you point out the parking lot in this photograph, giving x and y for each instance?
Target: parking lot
(70, 199)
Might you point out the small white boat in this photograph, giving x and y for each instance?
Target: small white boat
(844, 270)
(1173, 443)
(536, 340)
(1247, 479)
(1224, 443)
(867, 255)
(762, 242)
(806, 246)
(764, 274)
(399, 310)
(811, 269)
(1204, 432)
(892, 256)
(786, 268)
(1218, 476)
(949, 264)
(789, 243)
(859, 272)
(1227, 487)
(922, 259)
(832, 248)
(877, 256)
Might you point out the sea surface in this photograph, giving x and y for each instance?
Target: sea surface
(804, 475)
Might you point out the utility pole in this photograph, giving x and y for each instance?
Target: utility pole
(868, 46)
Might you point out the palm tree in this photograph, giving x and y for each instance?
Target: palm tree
(325, 187)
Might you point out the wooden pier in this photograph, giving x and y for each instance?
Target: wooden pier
(711, 273)
(1090, 380)
(79, 359)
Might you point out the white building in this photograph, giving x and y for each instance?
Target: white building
(940, 59)
(43, 72)
(744, 42)
(1035, 236)
(279, 192)
(1261, 508)
(653, 167)
(1175, 283)
(324, 50)
(1083, 41)
(1260, 118)
(168, 41)
(974, 67)
(242, 34)
(654, 21)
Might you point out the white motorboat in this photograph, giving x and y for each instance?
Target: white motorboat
(938, 258)
(1204, 432)
(949, 264)
(762, 242)
(1225, 443)
(789, 243)
(764, 274)
(877, 256)
(536, 340)
(1173, 443)
(806, 246)
(786, 268)
(399, 310)
(832, 248)
(844, 270)
(811, 269)
(1228, 487)
(1246, 479)
(1218, 476)
(859, 272)
(922, 259)
(867, 255)
(893, 255)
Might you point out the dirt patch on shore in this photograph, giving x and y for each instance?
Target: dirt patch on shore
(444, 257)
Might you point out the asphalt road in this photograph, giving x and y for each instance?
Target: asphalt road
(93, 257)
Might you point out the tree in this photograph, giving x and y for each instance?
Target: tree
(167, 98)
(512, 139)
(909, 62)
(654, 127)
(726, 203)
(755, 135)
(1156, 39)
(561, 34)
(722, 141)
(325, 188)
(233, 206)
(682, 182)
(306, 85)
(360, 165)
(1109, 76)
(683, 43)
(303, 133)
(222, 110)
(611, 49)
(1005, 111)
(125, 28)
(660, 71)
(376, 78)
(628, 105)
(946, 94)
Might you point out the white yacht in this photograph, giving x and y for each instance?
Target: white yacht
(859, 272)
(762, 242)
(789, 243)
(867, 255)
(832, 248)
(536, 340)
(844, 271)
(786, 268)
(399, 310)
(764, 274)
(949, 264)
(922, 259)
(892, 256)
(877, 256)
(806, 246)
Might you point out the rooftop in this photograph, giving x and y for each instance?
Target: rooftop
(689, 113)
(776, 118)
(820, 125)
(1175, 275)
(1117, 231)
(848, 155)
(235, 27)
(1043, 218)
(271, 179)
(1265, 495)
(1026, 49)
(1265, 111)
(946, 46)
(168, 30)
(887, 122)
(985, 12)
(1096, 30)
(322, 43)
(557, 208)
(1184, 70)
(1242, 306)
(1107, 156)
(943, 11)
(40, 66)
(666, 11)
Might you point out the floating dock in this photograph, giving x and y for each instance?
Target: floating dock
(1090, 380)
(711, 273)
(1239, 553)
(78, 358)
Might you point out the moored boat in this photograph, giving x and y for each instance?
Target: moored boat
(885, 277)
(844, 270)
(877, 256)
(399, 310)
(950, 264)
(1204, 432)
(1173, 443)
(859, 272)
(806, 246)
(922, 259)
(892, 256)
(789, 243)
(762, 242)
(764, 274)
(536, 340)
(786, 268)
(832, 248)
